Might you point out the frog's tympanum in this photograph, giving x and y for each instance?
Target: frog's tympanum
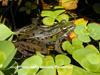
(40, 38)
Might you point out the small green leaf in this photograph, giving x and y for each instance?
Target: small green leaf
(77, 44)
(5, 32)
(48, 61)
(94, 30)
(48, 21)
(67, 47)
(9, 50)
(30, 66)
(62, 60)
(82, 33)
(63, 17)
(48, 14)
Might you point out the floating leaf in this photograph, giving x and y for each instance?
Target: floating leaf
(48, 66)
(91, 62)
(47, 14)
(82, 33)
(62, 60)
(67, 47)
(5, 32)
(65, 70)
(94, 30)
(63, 17)
(48, 21)
(79, 71)
(76, 44)
(48, 61)
(47, 71)
(79, 54)
(9, 50)
(30, 66)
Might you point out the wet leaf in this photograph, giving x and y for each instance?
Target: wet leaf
(30, 66)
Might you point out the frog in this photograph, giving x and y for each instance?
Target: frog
(43, 38)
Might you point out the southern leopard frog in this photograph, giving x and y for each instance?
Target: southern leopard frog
(45, 38)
